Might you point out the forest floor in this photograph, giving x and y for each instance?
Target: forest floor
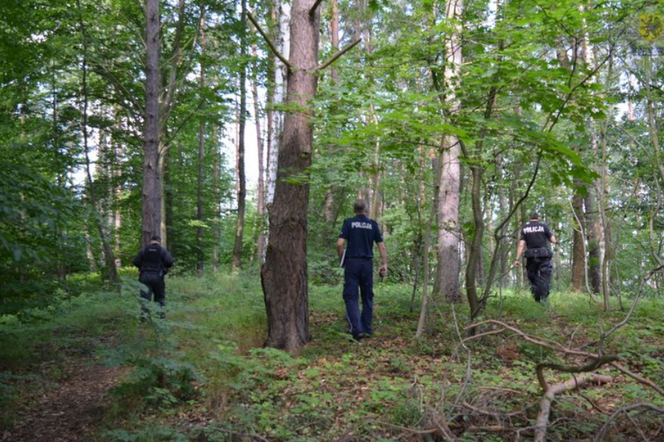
(69, 411)
(87, 370)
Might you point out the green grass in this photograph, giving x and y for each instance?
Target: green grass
(202, 374)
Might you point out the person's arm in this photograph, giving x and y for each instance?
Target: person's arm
(383, 256)
(167, 258)
(519, 252)
(139, 259)
(340, 247)
(553, 240)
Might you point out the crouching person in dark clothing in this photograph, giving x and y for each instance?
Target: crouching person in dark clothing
(153, 262)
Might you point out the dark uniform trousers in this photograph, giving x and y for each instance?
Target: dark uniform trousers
(539, 271)
(358, 279)
(154, 281)
(156, 287)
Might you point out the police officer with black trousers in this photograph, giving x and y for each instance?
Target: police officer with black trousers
(360, 233)
(535, 237)
(153, 262)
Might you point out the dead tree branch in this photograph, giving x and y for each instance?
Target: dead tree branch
(637, 377)
(591, 366)
(550, 394)
(602, 433)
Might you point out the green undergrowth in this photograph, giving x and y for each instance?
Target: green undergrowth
(201, 374)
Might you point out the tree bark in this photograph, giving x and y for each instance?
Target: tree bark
(242, 180)
(216, 189)
(283, 16)
(550, 394)
(151, 179)
(578, 246)
(200, 264)
(260, 198)
(449, 261)
(334, 77)
(284, 274)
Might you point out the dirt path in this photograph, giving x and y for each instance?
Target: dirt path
(70, 412)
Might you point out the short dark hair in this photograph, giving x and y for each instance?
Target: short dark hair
(534, 215)
(360, 206)
(155, 238)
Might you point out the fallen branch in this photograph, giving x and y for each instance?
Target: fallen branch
(637, 377)
(559, 347)
(495, 414)
(550, 394)
(602, 432)
(591, 366)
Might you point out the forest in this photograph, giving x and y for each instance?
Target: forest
(241, 133)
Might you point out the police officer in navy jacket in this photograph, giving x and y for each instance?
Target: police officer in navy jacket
(534, 245)
(360, 233)
(153, 262)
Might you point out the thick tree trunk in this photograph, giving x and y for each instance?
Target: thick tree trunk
(284, 275)
(449, 261)
(151, 179)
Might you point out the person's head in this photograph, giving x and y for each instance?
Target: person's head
(534, 216)
(155, 239)
(360, 207)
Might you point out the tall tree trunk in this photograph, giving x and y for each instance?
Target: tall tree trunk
(603, 201)
(168, 78)
(242, 180)
(284, 275)
(594, 232)
(109, 258)
(653, 130)
(260, 198)
(200, 264)
(334, 41)
(421, 323)
(216, 189)
(170, 162)
(475, 247)
(151, 180)
(475, 243)
(578, 245)
(375, 177)
(117, 195)
(449, 261)
(283, 12)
